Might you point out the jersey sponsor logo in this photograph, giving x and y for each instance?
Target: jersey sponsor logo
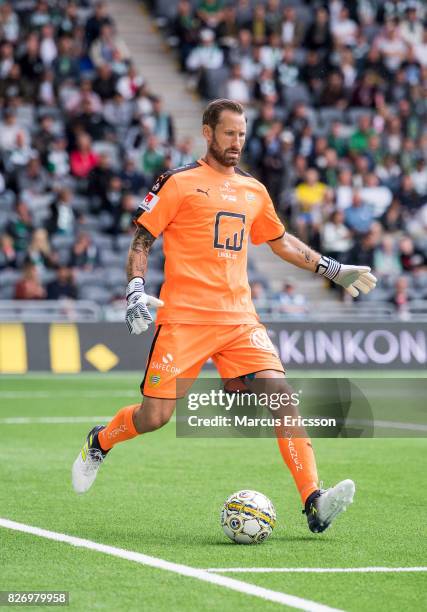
(156, 185)
(227, 255)
(149, 201)
(260, 340)
(154, 380)
(160, 181)
(227, 188)
(250, 197)
(228, 197)
(165, 367)
(229, 230)
(203, 191)
(167, 358)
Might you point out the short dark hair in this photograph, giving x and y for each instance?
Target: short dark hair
(212, 113)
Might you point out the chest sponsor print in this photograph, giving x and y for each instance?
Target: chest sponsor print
(229, 230)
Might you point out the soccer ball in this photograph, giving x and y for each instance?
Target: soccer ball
(248, 517)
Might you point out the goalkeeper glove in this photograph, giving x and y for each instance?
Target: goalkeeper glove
(352, 278)
(138, 317)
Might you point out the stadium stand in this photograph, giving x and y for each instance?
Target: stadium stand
(337, 119)
(336, 99)
(81, 138)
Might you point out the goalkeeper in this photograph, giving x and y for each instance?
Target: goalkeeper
(207, 211)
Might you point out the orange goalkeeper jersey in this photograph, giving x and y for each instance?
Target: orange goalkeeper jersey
(206, 219)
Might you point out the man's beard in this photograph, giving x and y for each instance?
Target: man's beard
(223, 157)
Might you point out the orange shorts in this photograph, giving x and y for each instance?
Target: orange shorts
(180, 350)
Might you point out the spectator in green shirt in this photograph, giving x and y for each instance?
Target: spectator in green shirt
(359, 140)
(152, 158)
(210, 13)
(336, 141)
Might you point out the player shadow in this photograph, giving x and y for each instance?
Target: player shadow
(289, 539)
(307, 539)
(213, 541)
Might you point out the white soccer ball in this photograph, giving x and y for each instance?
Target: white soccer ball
(248, 517)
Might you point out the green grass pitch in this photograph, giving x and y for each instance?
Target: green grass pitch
(161, 496)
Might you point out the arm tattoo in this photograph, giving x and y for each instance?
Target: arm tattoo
(138, 253)
(307, 256)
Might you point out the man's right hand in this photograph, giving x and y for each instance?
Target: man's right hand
(138, 317)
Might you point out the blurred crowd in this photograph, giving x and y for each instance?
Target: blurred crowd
(336, 93)
(81, 138)
(336, 99)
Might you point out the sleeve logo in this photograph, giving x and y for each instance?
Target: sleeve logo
(149, 201)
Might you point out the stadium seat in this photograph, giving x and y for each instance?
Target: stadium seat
(379, 295)
(330, 114)
(212, 82)
(9, 277)
(60, 241)
(97, 294)
(299, 93)
(93, 278)
(39, 206)
(109, 149)
(90, 223)
(165, 8)
(4, 219)
(421, 244)
(353, 115)
(111, 258)
(154, 276)
(47, 275)
(304, 13)
(7, 292)
(116, 278)
(386, 282)
(256, 277)
(7, 201)
(63, 256)
(81, 203)
(51, 111)
(102, 241)
(157, 245)
(299, 56)
(156, 261)
(105, 220)
(25, 116)
(122, 242)
(420, 281)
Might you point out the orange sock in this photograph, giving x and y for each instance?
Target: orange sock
(298, 455)
(119, 429)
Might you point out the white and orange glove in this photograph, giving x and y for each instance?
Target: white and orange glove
(353, 278)
(138, 317)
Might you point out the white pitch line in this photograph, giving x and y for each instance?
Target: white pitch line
(284, 599)
(314, 570)
(68, 394)
(60, 420)
(386, 424)
(51, 420)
